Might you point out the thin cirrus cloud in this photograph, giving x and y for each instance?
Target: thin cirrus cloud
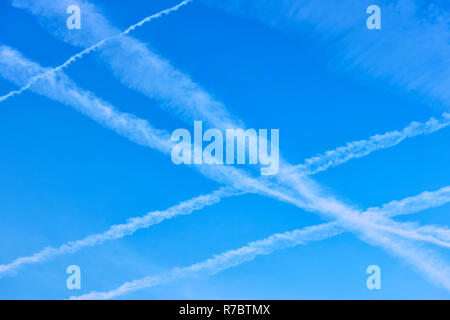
(411, 51)
(189, 101)
(121, 230)
(15, 67)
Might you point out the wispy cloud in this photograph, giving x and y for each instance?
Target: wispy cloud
(90, 49)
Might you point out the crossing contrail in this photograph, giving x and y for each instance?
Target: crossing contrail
(91, 49)
(16, 68)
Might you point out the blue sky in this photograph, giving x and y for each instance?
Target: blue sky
(65, 176)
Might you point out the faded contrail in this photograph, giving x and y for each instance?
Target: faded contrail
(92, 48)
(121, 230)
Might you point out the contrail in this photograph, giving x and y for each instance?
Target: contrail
(233, 258)
(415, 52)
(92, 48)
(17, 69)
(121, 230)
(423, 201)
(163, 82)
(188, 100)
(13, 65)
(362, 148)
(405, 206)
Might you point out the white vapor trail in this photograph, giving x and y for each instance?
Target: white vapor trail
(421, 202)
(91, 49)
(187, 99)
(149, 73)
(425, 200)
(121, 230)
(362, 148)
